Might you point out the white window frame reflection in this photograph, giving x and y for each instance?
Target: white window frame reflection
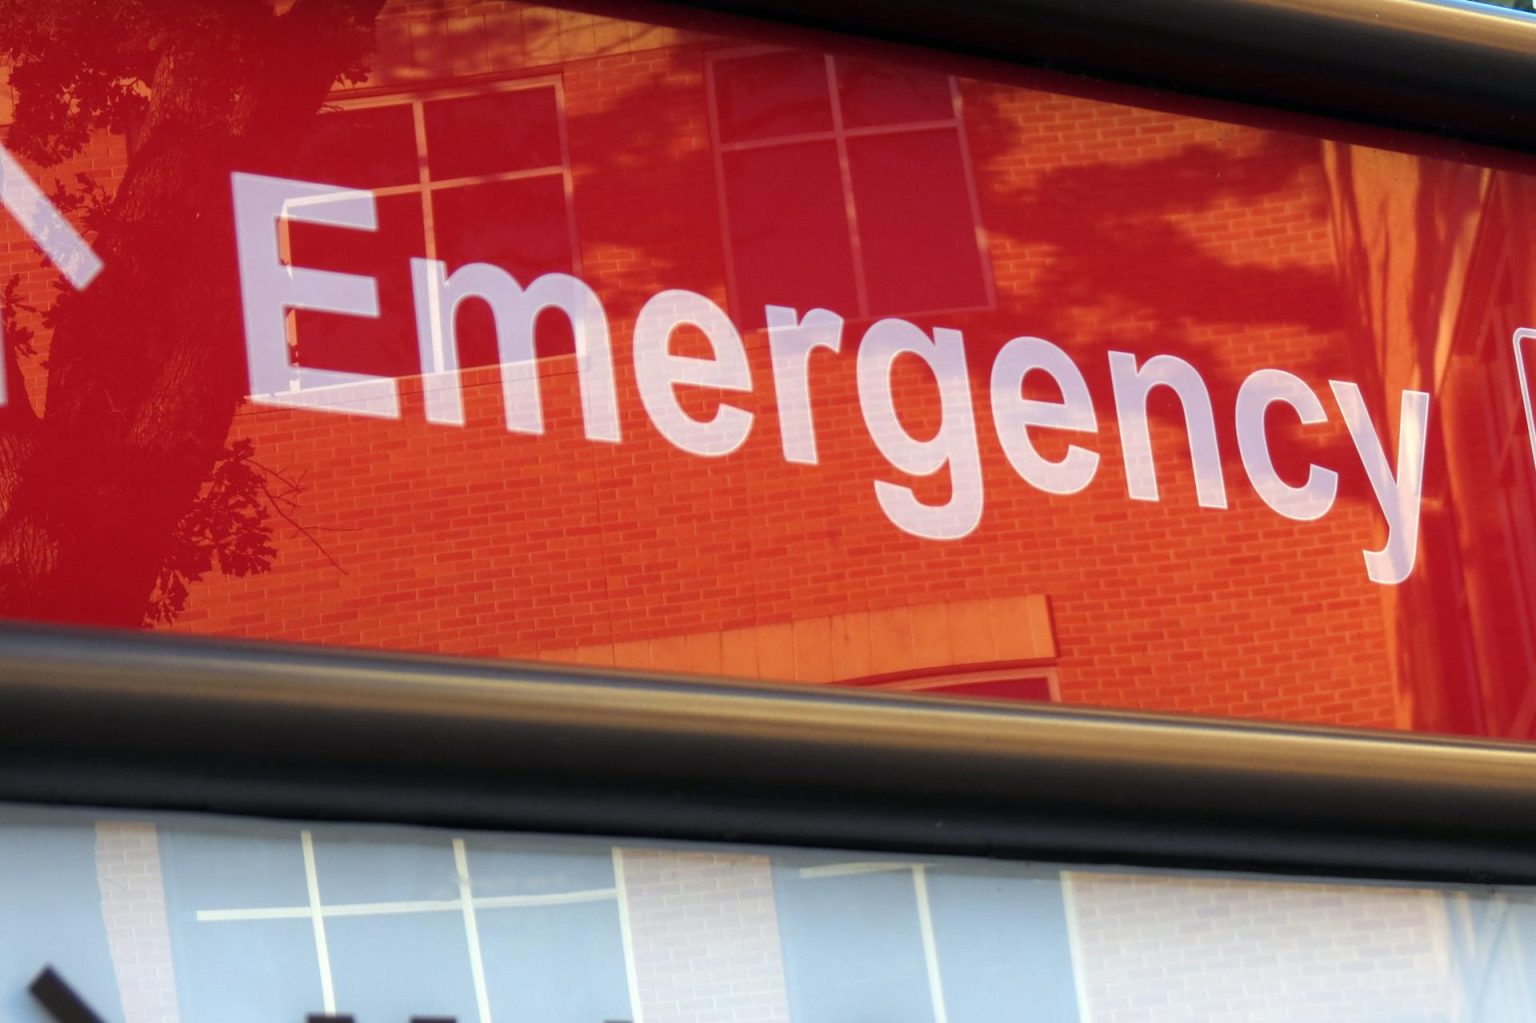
(425, 188)
(839, 134)
(928, 934)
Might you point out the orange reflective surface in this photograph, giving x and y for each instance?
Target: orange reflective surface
(850, 363)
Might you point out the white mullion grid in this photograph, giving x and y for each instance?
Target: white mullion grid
(406, 906)
(317, 922)
(471, 931)
(425, 187)
(466, 904)
(855, 242)
(428, 187)
(839, 136)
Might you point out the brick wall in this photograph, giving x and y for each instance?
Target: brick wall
(1208, 950)
(133, 909)
(1094, 212)
(706, 937)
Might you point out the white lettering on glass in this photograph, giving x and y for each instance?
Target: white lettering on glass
(791, 340)
(1132, 385)
(953, 446)
(1398, 493)
(1013, 415)
(1262, 389)
(515, 312)
(658, 372)
(270, 288)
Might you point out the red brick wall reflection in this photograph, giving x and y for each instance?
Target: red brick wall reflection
(1108, 221)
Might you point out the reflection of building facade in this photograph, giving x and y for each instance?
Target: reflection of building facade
(1103, 225)
(998, 202)
(1455, 283)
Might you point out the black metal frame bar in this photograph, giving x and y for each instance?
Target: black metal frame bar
(148, 722)
(1455, 69)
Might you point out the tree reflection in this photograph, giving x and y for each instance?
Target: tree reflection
(119, 483)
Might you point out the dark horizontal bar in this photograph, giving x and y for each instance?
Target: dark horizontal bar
(137, 721)
(1458, 69)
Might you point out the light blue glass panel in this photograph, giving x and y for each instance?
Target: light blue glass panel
(853, 948)
(555, 964)
(418, 961)
(225, 865)
(1003, 948)
(383, 867)
(50, 913)
(247, 971)
(538, 866)
(243, 970)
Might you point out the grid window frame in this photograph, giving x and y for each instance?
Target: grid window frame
(426, 187)
(840, 134)
(465, 903)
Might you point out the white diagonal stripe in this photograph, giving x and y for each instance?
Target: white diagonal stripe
(55, 235)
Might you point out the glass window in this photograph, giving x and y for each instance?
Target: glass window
(478, 176)
(920, 943)
(200, 919)
(277, 923)
(822, 160)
